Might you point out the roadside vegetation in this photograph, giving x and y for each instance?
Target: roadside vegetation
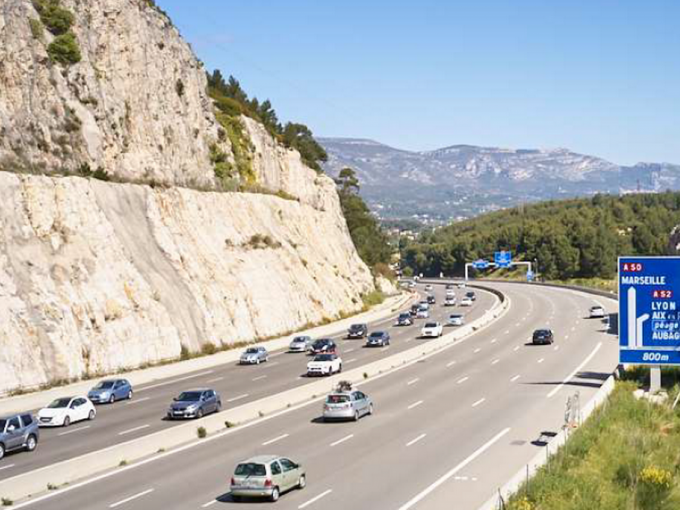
(578, 238)
(626, 456)
(64, 48)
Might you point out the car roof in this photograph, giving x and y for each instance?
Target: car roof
(260, 459)
(195, 389)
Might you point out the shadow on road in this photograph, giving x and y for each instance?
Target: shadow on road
(582, 380)
(544, 438)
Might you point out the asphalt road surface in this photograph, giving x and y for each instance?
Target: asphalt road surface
(447, 430)
(237, 385)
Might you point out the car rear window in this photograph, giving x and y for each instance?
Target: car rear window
(430, 324)
(337, 399)
(250, 469)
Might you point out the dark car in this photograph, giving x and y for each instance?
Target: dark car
(542, 337)
(471, 295)
(404, 319)
(18, 432)
(324, 346)
(431, 300)
(414, 310)
(357, 331)
(195, 404)
(378, 339)
(110, 390)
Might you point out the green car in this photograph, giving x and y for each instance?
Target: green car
(266, 476)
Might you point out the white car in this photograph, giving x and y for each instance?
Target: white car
(461, 285)
(423, 313)
(597, 312)
(450, 301)
(428, 287)
(455, 319)
(450, 293)
(324, 364)
(466, 301)
(432, 330)
(64, 411)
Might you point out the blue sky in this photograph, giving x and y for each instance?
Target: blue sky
(600, 77)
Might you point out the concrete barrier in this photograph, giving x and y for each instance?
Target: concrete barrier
(36, 400)
(69, 471)
(541, 458)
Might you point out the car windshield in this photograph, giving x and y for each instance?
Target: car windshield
(377, 334)
(456, 316)
(104, 385)
(337, 399)
(404, 316)
(323, 357)
(431, 325)
(189, 396)
(541, 332)
(356, 327)
(250, 469)
(321, 343)
(251, 350)
(299, 339)
(60, 402)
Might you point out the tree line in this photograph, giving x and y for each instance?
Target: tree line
(231, 99)
(578, 238)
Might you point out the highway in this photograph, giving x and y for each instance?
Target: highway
(448, 430)
(237, 385)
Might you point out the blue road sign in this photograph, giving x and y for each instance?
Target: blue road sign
(530, 276)
(480, 264)
(649, 315)
(502, 258)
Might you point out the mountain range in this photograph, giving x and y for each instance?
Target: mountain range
(461, 181)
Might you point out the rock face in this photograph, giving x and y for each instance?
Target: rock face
(99, 276)
(135, 105)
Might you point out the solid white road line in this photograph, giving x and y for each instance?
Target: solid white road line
(209, 503)
(234, 399)
(495, 361)
(137, 401)
(414, 441)
(460, 381)
(419, 497)
(541, 360)
(7, 467)
(129, 431)
(208, 372)
(576, 371)
(515, 378)
(415, 404)
(278, 438)
(315, 499)
(131, 498)
(215, 379)
(346, 438)
(478, 402)
(73, 430)
(412, 381)
(348, 351)
(450, 364)
(259, 378)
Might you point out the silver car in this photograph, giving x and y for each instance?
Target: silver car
(347, 405)
(266, 476)
(254, 356)
(300, 344)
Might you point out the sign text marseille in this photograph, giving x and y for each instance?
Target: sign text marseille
(649, 318)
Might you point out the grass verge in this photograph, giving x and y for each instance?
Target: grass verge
(626, 456)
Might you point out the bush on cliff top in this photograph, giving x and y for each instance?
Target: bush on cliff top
(64, 49)
(57, 19)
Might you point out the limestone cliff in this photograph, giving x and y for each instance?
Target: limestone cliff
(98, 276)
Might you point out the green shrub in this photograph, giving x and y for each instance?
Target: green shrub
(64, 49)
(57, 19)
(184, 353)
(36, 29)
(208, 348)
(201, 432)
(179, 87)
(7, 502)
(373, 298)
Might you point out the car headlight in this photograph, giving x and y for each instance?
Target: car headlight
(192, 407)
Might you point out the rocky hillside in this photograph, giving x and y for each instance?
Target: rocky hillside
(96, 276)
(465, 180)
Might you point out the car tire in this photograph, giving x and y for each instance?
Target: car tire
(199, 414)
(356, 416)
(370, 410)
(129, 395)
(112, 398)
(340, 368)
(67, 422)
(218, 407)
(2, 450)
(257, 361)
(31, 443)
(91, 415)
(275, 494)
(302, 482)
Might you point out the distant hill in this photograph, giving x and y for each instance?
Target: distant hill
(577, 238)
(465, 180)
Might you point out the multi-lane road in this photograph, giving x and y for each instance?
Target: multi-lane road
(447, 430)
(237, 385)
